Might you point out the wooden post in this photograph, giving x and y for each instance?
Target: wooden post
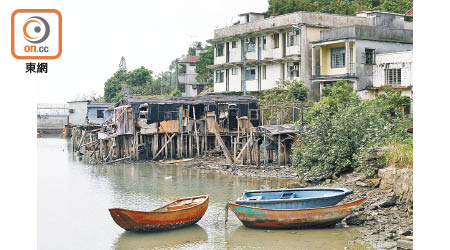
(164, 146)
(265, 150)
(164, 141)
(258, 154)
(234, 147)
(222, 144)
(279, 150)
(196, 134)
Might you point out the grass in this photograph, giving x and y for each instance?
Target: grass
(399, 155)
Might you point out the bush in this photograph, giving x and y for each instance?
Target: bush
(343, 132)
(398, 154)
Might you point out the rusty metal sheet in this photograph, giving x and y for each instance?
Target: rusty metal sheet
(170, 126)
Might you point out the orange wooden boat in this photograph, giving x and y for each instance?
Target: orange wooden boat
(292, 218)
(179, 213)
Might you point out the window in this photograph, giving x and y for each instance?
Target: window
(338, 57)
(293, 69)
(233, 44)
(234, 71)
(219, 75)
(250, 44)
(264, 70)
(264, 41)
(253, 114)
(250, 73)
(370, 56)
(293, 38)
(393, 76)
(219, 49)
(100, 114)
(276, 41)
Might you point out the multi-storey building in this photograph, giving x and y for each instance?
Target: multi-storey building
(350, 53)
(187, 78)
(264, 50)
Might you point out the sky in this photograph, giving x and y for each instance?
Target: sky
(97, 34)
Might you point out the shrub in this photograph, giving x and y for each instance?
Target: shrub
(343, 132)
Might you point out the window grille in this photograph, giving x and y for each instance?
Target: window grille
(219, 76)
(293, 69)
(293, 38)
(219, 49)
(250, 73)
(393, 77)
(338, 57)
(370, 56)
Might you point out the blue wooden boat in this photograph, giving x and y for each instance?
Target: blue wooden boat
(296, 198)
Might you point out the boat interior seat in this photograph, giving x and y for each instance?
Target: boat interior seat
(287, 196)
(255, 198)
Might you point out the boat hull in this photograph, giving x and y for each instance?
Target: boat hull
(156, 220)
(292, 218)
(298, 198)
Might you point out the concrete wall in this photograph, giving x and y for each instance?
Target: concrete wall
(369, 33)
(92, 115)
(309, 18)
(399, 60)
(273, 74)
(78, 116)
(235, 53)
(364, 71)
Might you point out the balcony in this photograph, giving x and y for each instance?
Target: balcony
(320, 73)
(187, 79)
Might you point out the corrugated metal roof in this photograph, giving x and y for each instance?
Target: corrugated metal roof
(190, 59)
(409, 12)
(186, 100)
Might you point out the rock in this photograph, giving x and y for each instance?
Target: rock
(404, 244)
(327, 181)
(375, 182)
(361, 184)
(356, 219)
(334, 177)
(406, 233)
(388, 201)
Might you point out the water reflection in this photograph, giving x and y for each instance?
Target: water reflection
(320, 239)
(181, 238)
(76, 196)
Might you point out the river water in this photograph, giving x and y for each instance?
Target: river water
(74, 197)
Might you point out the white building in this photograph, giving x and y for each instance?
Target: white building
(394, 70)
(187, 79)
(273, 48)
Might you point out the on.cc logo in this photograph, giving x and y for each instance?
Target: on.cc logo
(36, 29)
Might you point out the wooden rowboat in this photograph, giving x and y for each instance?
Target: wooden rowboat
(292, 218)
(179, 213)
(293, 198)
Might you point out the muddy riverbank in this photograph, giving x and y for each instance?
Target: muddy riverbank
(383, 219)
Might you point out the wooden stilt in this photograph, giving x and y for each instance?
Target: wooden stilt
(164, 146)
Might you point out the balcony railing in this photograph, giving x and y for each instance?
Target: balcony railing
(187, 78)
(320, 69)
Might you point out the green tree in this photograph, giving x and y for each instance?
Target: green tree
(343, 132)
(195, 45)
(114, 85)
(139, 77)
(205, 74)
(344, 7)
